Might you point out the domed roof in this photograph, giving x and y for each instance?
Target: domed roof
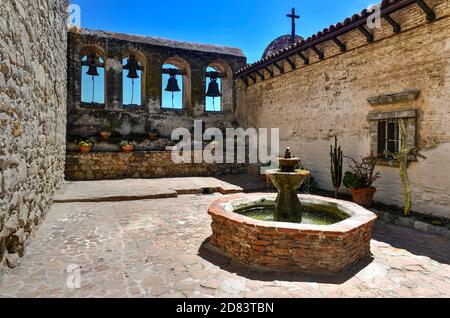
(280, 43)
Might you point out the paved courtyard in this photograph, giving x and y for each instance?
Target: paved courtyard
(153, 248)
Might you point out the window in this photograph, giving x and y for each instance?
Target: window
(132, 78)
(385, 131)
(388, 136)
(172, 87)
(93, 79)
(213, 101)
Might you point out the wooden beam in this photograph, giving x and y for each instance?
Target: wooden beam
(261, 75)
(173, 71)
(269, 71)
(304, 58)
(215, 74)
(280, 68)
(318, 52)
(245, 80)
(252, 78)
(395, 25)
(341, 45)
(431, 16)
(291, 63)
(364, 31)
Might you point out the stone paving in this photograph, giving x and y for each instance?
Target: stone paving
(153, 248)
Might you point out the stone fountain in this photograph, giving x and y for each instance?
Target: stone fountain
(276, 232)
(287, 179)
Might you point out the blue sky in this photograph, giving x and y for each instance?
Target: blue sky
(247, 24)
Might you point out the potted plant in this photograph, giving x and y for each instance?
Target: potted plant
(360, 180)
(107, 130)
(153, 135)
(85, 146)
(127, 146)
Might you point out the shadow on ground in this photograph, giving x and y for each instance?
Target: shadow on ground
(433, 246)
(227, 264)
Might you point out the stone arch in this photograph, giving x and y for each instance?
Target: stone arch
(182, 65)
(226, 83)
(142, 60)
(100, 58)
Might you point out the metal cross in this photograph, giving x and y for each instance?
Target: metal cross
(293, 16)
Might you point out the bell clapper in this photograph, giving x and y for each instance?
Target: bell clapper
(132, 91)
(93, 89)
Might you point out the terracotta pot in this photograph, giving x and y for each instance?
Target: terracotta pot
(85, 149)
(153, 136)
(364, 196)
(128, 148)
(105, 135)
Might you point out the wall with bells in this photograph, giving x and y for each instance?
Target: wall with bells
(85, 120)
(328, 98)
(33, 77)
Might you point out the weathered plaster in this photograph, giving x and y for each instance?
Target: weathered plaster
(314, 103)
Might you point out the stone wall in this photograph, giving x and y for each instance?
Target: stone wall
(87, 120)
(33, 77)
(314, 103)
(156, 164)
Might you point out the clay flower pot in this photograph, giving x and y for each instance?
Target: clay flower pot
(85, 149)
(364, 196)
(105, 135)
(153, 136)
(128, 148)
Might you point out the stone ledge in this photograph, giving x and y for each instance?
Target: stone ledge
(412, 224)
(140, 189)
(406, 96)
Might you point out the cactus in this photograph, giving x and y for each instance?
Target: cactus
(337, 159)
(401, 157)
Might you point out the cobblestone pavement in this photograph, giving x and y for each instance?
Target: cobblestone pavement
(152, 248)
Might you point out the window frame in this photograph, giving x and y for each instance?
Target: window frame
(375, 118)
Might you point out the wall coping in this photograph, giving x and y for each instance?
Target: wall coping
(358, 215)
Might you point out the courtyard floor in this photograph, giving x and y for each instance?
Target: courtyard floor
(144, 246)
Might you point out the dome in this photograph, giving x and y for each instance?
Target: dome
(280, 43)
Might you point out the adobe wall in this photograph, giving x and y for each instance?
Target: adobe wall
(314, 103)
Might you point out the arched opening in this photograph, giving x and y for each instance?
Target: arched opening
(172, 94)
(93, 78)
(219, 87)
(213, 101)
(175, 84)
(132, 81)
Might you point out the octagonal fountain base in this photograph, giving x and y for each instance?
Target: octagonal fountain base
(306, 248)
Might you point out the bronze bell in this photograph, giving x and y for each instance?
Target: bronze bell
(213, 88)
(132, 67)
(92, 70)
(172, 84)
